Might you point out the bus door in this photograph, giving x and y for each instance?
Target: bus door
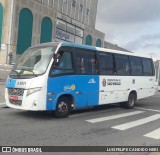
(61, 78)
(86, 80)
(106, 71)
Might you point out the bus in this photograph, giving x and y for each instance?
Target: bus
(62, 77)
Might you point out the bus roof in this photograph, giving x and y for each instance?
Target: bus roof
(92, 48)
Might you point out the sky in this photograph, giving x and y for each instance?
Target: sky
(131, 24)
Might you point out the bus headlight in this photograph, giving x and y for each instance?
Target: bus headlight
(33, 90)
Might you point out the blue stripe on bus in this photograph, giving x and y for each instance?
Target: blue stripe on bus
(84, 90)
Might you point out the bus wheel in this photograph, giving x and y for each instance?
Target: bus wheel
(63, 108)
(130, 103)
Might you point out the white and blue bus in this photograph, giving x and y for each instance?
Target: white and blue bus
(61, 77)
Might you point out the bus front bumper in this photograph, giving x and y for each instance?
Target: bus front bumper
(33, 102)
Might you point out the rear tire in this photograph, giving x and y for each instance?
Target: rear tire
(130, 103)
(63, 108)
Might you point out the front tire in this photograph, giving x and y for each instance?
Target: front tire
(63, 108)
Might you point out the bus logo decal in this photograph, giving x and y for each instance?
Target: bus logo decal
(92, 81)
(70, 87)
(113, 82)
(104, 83)
(9, 81)
(73, 87)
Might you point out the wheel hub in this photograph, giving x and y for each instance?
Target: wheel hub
(62, 107)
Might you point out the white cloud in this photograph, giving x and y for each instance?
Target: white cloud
(129, 11)
(133, 24)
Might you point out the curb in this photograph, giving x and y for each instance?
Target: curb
(154, 153)
(3, 105)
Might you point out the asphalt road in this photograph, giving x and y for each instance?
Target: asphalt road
(104, 126)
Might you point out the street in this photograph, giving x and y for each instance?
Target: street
(104, 126)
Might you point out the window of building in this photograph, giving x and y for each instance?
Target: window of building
(88, 40)
(122, 65)
(68, 32)
(45, 2)
(24, 30)
(70, 37)
(74, 3)
(81, 8)
(40, 1)
(85, 62)
(46, 30)
(78, 40)
(61, 34)
(98, 43)
(71, 28)
(106, 65)
(64, 1)
(136, 66)
(50, 3)
(87, 12)
(61, 24)
(79, 32)
(147, 67)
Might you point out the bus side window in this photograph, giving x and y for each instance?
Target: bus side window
(64, 64)
(147, 67)
(85, 62)
(106, 65)
(66, 61)
(122, 65)
(136, 66)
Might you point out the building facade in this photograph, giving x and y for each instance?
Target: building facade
(109, 45)
(25, 23)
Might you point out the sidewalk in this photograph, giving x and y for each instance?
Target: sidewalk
(4, 72)
(2, 92)
(3, 105)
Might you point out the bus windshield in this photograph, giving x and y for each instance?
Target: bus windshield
(33, 62)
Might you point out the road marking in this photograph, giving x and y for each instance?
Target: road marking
(78, 115)
(137, 122)
(114, 117)
(155, 134)
(86, 113)
(148, 109)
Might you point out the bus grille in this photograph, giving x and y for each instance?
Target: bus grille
(19, 103)
(16, 92)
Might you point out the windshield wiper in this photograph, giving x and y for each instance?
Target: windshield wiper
(29, 70)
